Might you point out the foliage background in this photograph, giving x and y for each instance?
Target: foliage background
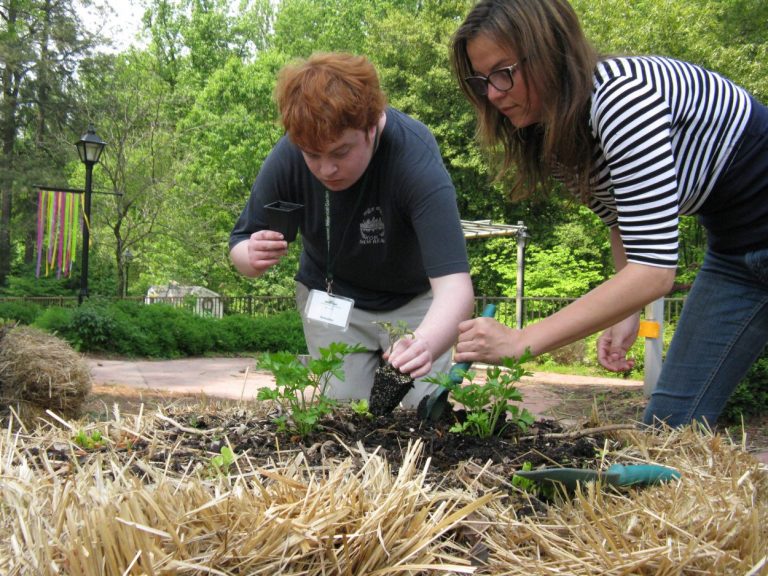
(189, 117)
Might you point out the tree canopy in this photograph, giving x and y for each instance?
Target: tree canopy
(189, 118)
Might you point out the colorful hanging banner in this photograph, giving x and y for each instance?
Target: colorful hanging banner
(57, 230)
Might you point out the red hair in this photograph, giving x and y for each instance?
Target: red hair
(321, 97)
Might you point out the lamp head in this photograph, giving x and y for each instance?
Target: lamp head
(90, 147)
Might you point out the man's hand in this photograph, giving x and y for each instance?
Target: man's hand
(260, 252)
(411, 355)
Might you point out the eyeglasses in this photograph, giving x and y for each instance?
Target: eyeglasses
(502, 79)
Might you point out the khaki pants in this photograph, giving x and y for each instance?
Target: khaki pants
(359, 368)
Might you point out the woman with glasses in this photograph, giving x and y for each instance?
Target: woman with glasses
(641, 141)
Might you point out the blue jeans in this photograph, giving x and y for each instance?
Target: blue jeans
(722, 331)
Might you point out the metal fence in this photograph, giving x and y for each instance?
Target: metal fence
(534, 308)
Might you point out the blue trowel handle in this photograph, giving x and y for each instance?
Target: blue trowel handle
(630, 474)
(455, 374)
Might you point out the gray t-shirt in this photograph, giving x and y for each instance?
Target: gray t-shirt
(390, 232)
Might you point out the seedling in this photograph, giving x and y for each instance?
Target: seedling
(489, 406)
(300, 389)
(360, 407)
(222, 461)
(525, 484)
(89, 441)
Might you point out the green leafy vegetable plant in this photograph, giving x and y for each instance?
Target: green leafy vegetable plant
(88, 440)
(221, 462)
(389, 384)
(490, 406)
(300, 390)
(360, 407)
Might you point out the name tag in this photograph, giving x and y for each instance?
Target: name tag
(329, 309)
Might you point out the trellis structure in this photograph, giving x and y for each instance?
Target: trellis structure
(487, 229)
(651, 328)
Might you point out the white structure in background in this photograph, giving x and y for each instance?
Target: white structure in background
(205, 302)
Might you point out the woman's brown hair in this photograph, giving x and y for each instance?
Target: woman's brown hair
(322, 96)
(558, 61)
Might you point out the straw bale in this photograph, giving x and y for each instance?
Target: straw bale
(40, 372)
(114, 510)
(713, 521)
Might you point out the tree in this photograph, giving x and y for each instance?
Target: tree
(131, 104)
(40, 44)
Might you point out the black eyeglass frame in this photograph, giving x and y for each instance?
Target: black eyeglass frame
(478, 84)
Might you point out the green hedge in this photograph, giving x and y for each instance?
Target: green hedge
(163, 331)
(133, 329)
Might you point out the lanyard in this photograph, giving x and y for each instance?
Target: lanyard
(330, 261)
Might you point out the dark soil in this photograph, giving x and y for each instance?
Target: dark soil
(194, 430)
(192, 434)
(389, 387)
(566, 439)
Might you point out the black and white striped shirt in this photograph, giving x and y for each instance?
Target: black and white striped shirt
(665, 131)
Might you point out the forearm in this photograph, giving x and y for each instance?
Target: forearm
(453, 302)
(634, 286)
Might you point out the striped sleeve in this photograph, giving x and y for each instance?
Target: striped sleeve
(664, 130)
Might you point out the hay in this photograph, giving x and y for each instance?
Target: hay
(40, 372)
(67, 510)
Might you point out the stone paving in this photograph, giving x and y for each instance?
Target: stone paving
(237, 378)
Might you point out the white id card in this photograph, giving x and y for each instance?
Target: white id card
(329, 309)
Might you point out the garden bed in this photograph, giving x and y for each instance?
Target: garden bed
(211, 487)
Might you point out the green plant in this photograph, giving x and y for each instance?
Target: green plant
(300, 390)
(543, 490)
(88, 441)
(360, 407)
(389, 384)
(395, 331)
(221, 462)
(524, 484)
(489, 406)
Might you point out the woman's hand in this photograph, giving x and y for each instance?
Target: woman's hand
(486, 340)
(615, 342)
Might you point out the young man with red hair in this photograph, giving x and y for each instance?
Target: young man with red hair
(382, 239)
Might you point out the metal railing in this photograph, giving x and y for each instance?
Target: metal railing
(535, 308)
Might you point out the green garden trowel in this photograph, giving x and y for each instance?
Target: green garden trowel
(615, 475)
(432, 406)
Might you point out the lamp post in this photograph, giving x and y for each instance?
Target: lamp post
(89, 147)
(127, 256)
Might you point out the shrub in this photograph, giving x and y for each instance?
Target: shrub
(56, 320)
(22, 312)
(280, 332)
(92, 327)
(163, 331)
(751, 394)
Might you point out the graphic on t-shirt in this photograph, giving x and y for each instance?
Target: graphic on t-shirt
(372, 227)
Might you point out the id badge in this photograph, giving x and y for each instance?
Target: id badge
(329, 309)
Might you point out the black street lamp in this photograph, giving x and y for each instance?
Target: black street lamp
(89, 147)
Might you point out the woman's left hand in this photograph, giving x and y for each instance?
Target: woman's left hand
(615, 342)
